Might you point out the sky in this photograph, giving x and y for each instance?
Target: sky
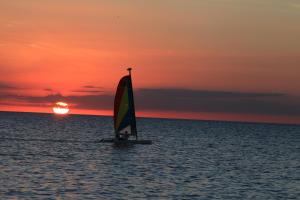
(209, 59)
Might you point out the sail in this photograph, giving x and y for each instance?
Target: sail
(124, 112)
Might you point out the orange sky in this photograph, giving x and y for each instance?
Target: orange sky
(54, 47)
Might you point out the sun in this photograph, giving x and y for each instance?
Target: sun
(61, 108)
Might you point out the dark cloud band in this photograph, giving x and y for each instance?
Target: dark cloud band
(183, 100)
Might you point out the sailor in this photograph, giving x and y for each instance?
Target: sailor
(126, 135)
(123, 136)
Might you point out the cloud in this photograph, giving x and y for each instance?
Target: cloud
(97, 102)
(91, 87)
(183, 100)
(177, 92)
(216, 101)
(48, 89)
(5, 86)
(88, 91)
(13, 87)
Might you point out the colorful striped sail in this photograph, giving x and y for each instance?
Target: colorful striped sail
(124, 112)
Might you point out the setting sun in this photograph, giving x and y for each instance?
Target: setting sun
(61, 108)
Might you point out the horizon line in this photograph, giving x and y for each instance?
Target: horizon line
(166, 118)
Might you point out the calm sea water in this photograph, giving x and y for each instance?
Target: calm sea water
(43, 156)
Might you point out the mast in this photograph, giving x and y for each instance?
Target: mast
(133, 127)
(129, 70)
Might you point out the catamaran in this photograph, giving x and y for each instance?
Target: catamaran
(124, 114)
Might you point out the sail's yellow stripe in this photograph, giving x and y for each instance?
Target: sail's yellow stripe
(123, 109)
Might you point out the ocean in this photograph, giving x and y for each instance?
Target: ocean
(45, 156)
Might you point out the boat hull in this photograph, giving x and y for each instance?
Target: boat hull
(125, 142)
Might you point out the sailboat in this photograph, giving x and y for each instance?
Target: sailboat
(124, 114)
